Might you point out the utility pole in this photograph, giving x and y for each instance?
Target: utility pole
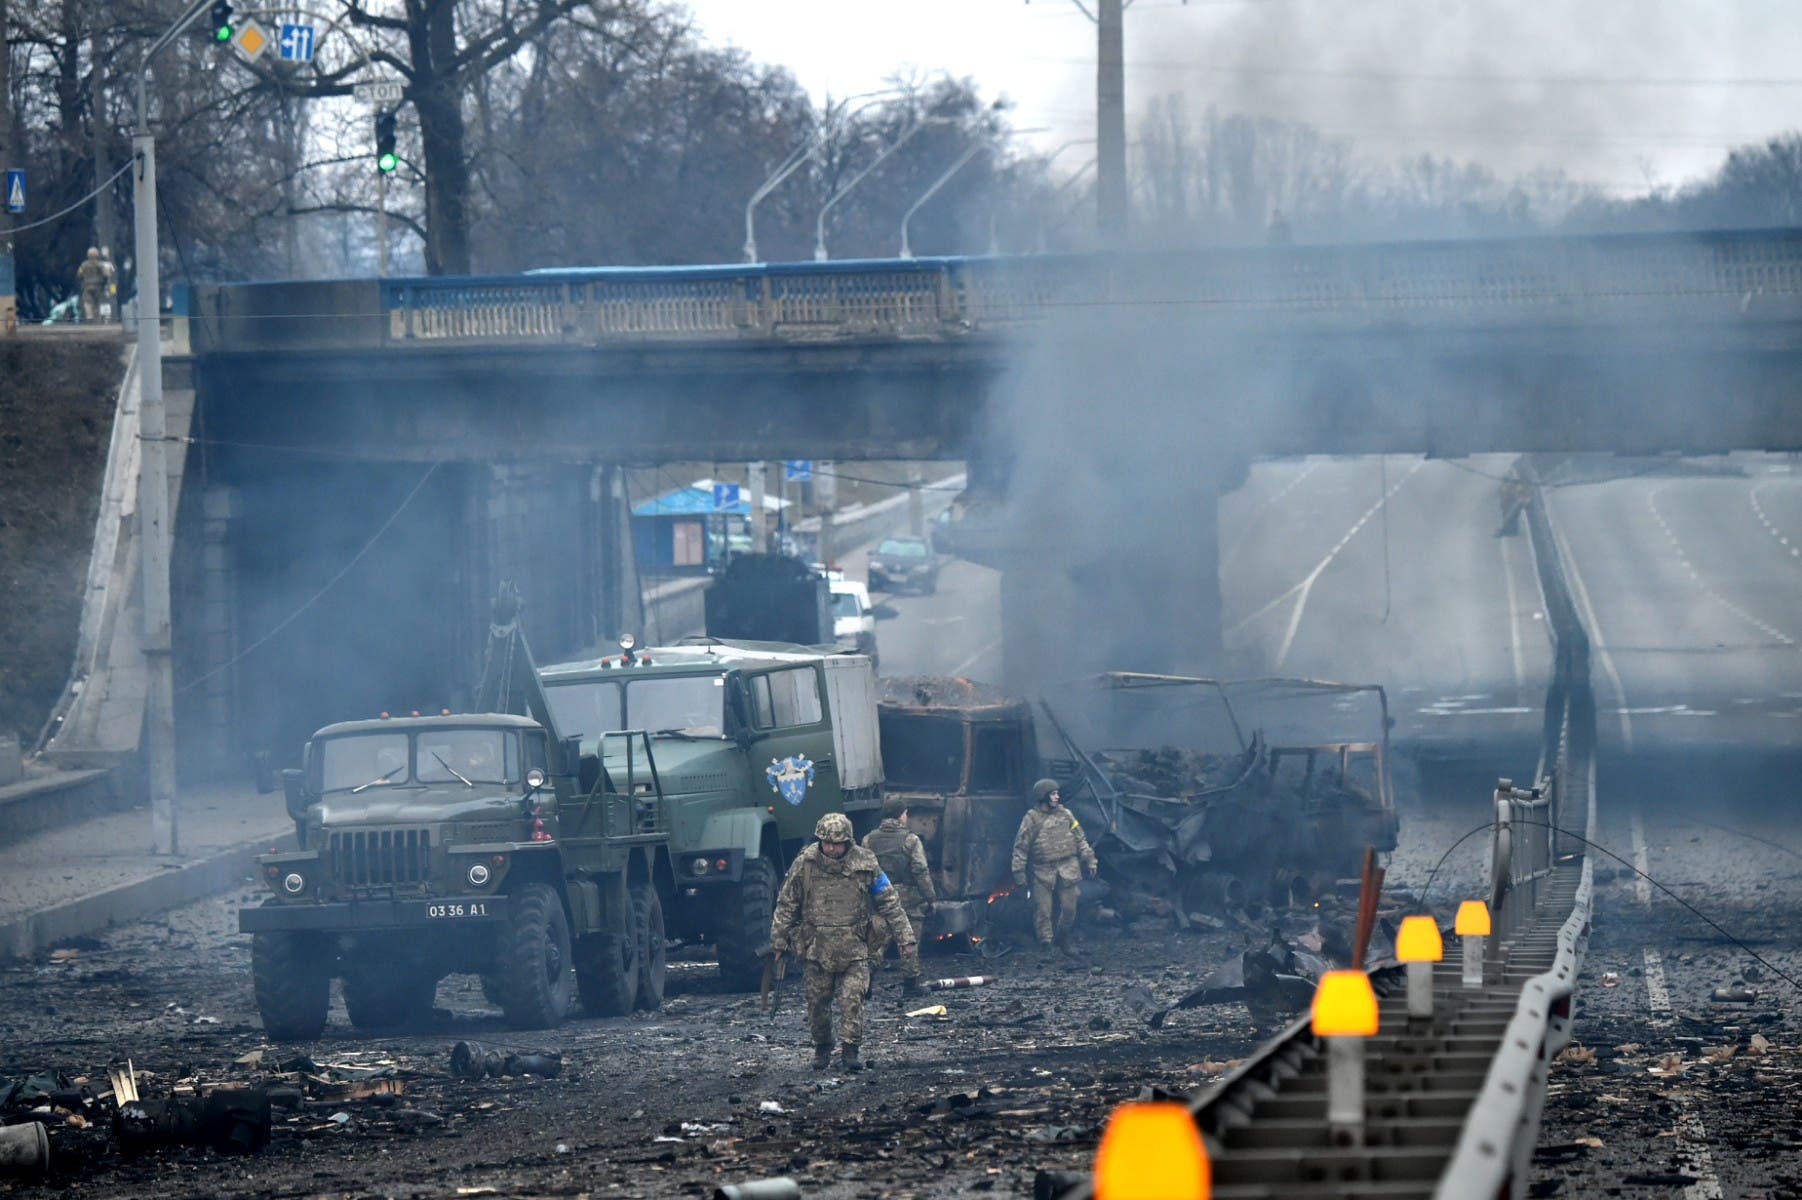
(1110, 120)
(154, 533)
(9, 316)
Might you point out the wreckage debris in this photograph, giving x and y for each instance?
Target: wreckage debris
(779, 1188)
(228, 1120)
(472, 1060)
(24, 1149)
(967, 981)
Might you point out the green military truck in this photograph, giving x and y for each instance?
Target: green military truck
(643, 795)
(754, 742)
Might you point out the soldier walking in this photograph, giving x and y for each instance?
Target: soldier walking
(91, 276)
(902, 857)
(1051, 844)
(823, 914)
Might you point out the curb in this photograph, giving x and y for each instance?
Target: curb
(30, 935)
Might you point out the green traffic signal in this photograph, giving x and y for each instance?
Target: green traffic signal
(222, 22)
(385, 157)
(386, 163)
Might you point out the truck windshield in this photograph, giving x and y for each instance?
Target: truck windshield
(362, 760)
(694, 705)
(845, 606)
(468, 756)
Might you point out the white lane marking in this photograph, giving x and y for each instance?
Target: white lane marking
(1301, 590)
(1252, 517)
(1765, 520)
(1701, 1163)
(1586, 610)
(1514, 652)
(971, 661)
(1708, 590)
(1642, 887)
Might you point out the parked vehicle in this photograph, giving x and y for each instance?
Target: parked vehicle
(901, 563)
(853, 619)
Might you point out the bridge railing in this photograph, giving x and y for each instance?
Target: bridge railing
(1672, 277)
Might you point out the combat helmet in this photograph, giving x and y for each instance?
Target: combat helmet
(894, 806)
(1042, 789)
(833, 827)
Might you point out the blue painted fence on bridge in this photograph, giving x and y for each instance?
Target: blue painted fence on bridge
(1720, 275)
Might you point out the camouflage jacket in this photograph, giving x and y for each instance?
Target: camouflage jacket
(823, 911)
(1049, 836)
(903, 860)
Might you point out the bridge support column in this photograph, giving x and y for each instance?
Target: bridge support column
(621, 599)
(1103, 587)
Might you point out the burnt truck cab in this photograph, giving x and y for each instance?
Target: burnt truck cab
(964, 757)
(754, 742)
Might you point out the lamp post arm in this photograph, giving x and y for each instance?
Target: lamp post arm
(819, 225)
(188, 17)
(963, 160)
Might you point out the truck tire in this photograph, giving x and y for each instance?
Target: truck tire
(607, 974)
(742, 925)
(647, 927)
(533, 962)
(388, 999)
(292, 976)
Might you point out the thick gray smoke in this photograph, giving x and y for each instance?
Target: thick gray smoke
(1620, 93)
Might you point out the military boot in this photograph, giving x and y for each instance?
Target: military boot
(848, 1053)
(910, 987)
(822, 1056)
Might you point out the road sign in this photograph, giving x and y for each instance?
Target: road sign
(383, 91)
(798, 470)
(251, 41)
(725, 497)
(296, 43)
(15, 190)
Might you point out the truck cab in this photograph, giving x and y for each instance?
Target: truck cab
(754, 742)
(853, 618)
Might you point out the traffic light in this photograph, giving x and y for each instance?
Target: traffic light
(222, 21)
(385, 157)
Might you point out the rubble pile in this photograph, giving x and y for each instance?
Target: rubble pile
(1169, 772)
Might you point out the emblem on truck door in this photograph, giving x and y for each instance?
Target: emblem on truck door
(790, 777)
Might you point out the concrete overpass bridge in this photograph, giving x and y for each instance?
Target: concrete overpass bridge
(383, 450)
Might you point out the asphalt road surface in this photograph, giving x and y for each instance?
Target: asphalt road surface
(1390, 571)
(1689, 578)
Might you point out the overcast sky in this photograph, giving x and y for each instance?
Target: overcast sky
(1619, 93)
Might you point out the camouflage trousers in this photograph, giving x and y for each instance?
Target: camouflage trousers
(824, 985)
(1054, 883)
(881, 936)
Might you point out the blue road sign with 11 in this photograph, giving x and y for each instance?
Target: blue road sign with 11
(15, 190)
(296, 42)
(725, 497)
(798, 470)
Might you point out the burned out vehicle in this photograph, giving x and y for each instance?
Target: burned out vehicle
(754, 742)
(963, 756)
(465, 843)
(1190, 811)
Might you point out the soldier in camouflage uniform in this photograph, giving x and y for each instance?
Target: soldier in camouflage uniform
(903, 860)
(1051, 843)
(823, 914)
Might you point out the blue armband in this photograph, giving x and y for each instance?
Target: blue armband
(880, 884)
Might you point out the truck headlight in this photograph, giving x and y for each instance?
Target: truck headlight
(478, 875)
(698, 866)
(294, 883)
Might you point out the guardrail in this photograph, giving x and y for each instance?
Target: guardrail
(1730, 275)
(1454, 1100)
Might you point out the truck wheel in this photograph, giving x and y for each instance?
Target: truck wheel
(292, 976)
(742, 925)
(378, 1000)
(607, 974)
(533, 964)
(647, 925)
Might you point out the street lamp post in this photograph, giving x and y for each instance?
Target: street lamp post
(828, 121)
(819, 225)
(962, 160)
(153, 472)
